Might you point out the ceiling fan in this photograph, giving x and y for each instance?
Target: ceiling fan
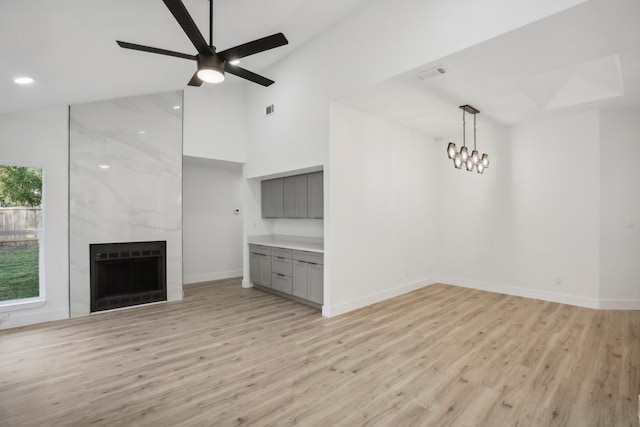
(211, 64)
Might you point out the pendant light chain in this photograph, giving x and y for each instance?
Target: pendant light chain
(464, 130)
(474, 132)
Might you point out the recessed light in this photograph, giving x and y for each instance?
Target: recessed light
(104, 166)
(140, 132)
(23, 80)
(176, 107)
(234, 62)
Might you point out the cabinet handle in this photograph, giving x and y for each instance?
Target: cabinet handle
(281, 275)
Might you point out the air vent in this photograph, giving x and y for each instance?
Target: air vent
(270, 109)
(432, 72)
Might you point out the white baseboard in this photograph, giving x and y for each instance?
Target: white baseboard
(16, 319)
(335, 310)
(522, 292)
(620, 304)
(211, 276)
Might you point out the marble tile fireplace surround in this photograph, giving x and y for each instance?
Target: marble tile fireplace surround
(125, 185)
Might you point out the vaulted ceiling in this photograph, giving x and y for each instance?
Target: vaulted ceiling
(582, 58)
(586, 57)
(69, 46)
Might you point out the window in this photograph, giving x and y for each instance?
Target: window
(21, 233)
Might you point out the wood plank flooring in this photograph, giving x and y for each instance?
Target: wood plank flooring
(227, 356)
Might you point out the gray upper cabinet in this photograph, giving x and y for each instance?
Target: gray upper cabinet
(296, 190)
(272, 193)
(315, 206)
(299, 196)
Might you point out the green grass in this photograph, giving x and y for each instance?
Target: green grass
(19, 274)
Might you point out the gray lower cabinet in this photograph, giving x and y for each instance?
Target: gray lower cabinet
(298, 273)
(260, 265)
(281, 270)
(308, 276)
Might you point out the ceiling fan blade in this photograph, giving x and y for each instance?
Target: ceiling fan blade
(256, 46)
(195, 80)
(188, 26)
(246, 74)
(155, 50)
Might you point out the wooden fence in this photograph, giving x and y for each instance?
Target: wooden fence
(20, 227)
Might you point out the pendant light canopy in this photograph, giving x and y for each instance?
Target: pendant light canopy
(471, 161)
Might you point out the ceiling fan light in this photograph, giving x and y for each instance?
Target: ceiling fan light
(210, 69)
(210, 75)
(451, 150)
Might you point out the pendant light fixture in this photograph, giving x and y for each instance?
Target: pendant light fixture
(473, 160)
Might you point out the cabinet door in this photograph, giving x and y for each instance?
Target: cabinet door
(254, 268)
(315, 195)
(296, 196)
(281, 283)
(300, 279)
(316, 283)
(265, 270)
(272, 198)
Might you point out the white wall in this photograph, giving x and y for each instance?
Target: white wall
(384, 38)
(214, 119)
(382, 238)
(40, 138)
(620, 209)
(212, 233)
(532, 220)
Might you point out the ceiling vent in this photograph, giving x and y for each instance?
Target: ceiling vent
(432, 72)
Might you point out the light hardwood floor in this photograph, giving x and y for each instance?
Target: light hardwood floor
(226, 356)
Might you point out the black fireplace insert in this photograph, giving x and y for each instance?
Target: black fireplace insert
(126, 274)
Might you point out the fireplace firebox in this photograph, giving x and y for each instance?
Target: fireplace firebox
(126, 274)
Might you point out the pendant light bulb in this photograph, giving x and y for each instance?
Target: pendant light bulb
(464, 154)
(475, 157)
(452, 151)
(457, 161)
(469, 164)
(485, 160)
(480, 167)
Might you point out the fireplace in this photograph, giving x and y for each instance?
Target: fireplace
(126, 274)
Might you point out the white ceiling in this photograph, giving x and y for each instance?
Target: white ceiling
(583, 58)
(69, 46)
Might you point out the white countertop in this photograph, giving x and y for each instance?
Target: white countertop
(289, 242)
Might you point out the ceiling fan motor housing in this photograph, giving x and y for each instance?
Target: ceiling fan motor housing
(213, 62)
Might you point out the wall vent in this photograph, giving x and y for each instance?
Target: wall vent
(270, 109)
(432, 72)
